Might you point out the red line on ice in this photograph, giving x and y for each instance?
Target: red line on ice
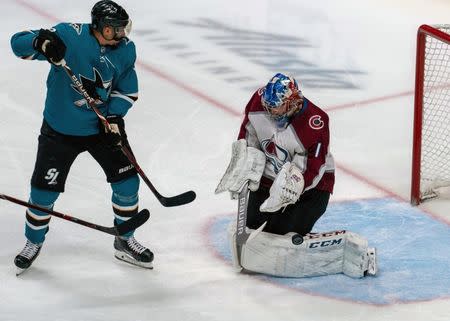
(232, 111)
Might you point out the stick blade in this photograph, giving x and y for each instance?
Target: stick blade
(178, 200)
(133, 223)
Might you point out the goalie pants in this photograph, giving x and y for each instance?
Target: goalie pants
(299, 217)
(55, 156)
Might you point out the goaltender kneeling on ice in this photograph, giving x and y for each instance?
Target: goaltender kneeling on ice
(291, 254)
(282, 173)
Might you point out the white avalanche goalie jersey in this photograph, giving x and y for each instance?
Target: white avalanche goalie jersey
(305, 142)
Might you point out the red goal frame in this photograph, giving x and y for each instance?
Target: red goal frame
(423, 32)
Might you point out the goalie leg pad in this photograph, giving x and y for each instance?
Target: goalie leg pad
(355, 260)
(319, 254)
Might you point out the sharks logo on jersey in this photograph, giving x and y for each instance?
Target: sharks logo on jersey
(77, 26)
(105, 60)
(275, 154)
(101, 88)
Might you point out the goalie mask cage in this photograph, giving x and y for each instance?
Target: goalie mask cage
(431, 138)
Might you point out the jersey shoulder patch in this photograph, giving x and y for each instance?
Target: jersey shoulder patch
(78, 27)
(128, 45)
(127, 52)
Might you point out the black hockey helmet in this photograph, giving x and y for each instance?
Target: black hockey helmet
(108, 13)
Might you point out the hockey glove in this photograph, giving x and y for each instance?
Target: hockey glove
(115, 134)
(49, 44)
(285, 190)
(246, 165)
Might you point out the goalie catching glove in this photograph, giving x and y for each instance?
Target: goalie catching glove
(285, 190)
(246, 165)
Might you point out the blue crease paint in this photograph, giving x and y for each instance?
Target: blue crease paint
(413, 253)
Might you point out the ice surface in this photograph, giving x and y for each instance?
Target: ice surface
(198, 63)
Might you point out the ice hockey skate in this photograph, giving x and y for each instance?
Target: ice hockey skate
(131, 251)
(26, 257)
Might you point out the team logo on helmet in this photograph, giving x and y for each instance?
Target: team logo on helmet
(275, 154)
(316, 122)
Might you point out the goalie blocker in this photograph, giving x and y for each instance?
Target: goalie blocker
(292, 255)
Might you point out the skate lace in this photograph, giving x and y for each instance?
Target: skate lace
(135, 246)
(30, 250)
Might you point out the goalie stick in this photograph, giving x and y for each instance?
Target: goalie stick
(242, 235)
(241, 232)
(176, 200)
(120, 229)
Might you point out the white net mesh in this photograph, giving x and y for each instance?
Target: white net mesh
(435, 162)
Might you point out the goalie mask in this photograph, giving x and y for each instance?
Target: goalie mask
(282, 99)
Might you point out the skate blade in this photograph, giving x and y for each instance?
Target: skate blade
(126, 258)
(372, 267)
(19, 271)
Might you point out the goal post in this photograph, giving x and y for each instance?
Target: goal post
(431, 137)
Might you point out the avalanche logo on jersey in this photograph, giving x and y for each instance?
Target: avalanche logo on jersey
(275, 154)
(315, 122)
(96, 85)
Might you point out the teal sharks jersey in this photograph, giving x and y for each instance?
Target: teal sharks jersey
(109, 70)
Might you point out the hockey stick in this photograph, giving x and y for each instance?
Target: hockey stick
(177, 200)
(241, 232)
(242, 236)
(123, 228)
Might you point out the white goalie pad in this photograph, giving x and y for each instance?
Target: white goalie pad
(246, 164)
(285, 190)
(318, 254)
(235, 248)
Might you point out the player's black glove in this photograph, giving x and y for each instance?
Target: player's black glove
(49, 44)
(114, 136)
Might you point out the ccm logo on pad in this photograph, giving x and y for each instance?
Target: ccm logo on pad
(315, 245)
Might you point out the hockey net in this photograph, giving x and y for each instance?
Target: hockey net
(431, 144)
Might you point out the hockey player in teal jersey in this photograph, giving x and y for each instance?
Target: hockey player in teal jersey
(103, 58)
